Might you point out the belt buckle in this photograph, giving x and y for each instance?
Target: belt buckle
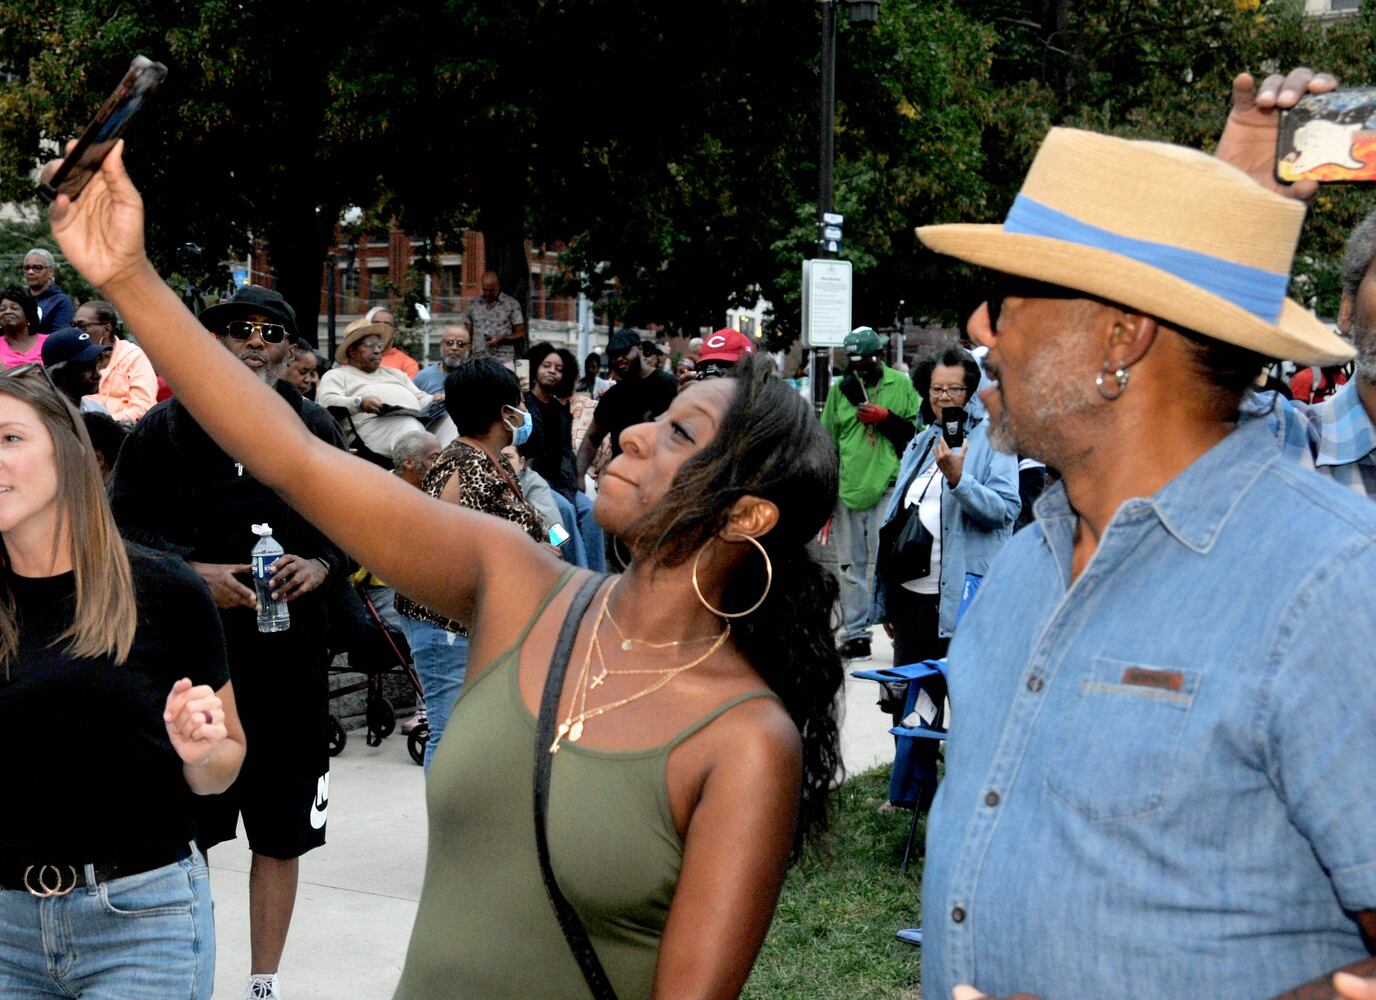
(47, 891)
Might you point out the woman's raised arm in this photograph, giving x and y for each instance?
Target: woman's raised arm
(368, 512)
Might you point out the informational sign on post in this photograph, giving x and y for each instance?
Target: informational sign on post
(826, 302)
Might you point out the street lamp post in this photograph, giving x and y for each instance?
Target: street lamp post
(331, 308)
(827, 124)
(860, 12)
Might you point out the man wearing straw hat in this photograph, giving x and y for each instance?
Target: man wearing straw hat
(383, 404)
(1155, 786)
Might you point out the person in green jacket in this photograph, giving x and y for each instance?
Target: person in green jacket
(871, 416)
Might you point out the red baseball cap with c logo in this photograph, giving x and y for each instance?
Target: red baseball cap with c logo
(726, 344)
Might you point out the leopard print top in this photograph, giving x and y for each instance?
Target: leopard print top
(483, 488)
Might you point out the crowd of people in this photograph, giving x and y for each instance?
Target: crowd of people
(1078, 512)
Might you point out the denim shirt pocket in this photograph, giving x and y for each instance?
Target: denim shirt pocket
(1121, 737)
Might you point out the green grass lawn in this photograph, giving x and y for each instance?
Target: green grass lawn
(832, 936)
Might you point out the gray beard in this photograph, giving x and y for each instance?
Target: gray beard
(1057, 407)
(1364, 338)
(1000, 437)
(272, 373)
(450, 366)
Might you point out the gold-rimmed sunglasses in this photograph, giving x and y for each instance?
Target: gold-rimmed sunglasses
(33, 367)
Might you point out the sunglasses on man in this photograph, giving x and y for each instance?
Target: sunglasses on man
(244, 329)
(1009, 286)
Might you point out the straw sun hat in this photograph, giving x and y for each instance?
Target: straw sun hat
(1171, 231)
(356, 331)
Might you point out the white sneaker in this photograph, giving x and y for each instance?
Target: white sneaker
(262, 988)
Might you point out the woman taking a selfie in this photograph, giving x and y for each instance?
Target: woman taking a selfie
(695, 733)
(115, 708)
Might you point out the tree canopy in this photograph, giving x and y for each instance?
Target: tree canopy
(670, 149)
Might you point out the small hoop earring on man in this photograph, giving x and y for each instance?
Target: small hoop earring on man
(768, 582)
(1120, 375)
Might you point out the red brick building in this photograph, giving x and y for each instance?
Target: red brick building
(376, 272)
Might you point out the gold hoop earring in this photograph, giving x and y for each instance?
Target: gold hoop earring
(768, 582)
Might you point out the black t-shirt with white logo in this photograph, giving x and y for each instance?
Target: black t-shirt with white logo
(90, 774)
(633, 401)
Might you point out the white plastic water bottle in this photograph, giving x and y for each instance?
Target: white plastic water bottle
(273, 616)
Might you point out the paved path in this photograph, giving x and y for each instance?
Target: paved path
(358, 893)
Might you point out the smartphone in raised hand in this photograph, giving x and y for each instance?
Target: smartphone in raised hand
(80, 165)
(953, 421)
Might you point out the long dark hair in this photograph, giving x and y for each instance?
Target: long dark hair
(770, 446)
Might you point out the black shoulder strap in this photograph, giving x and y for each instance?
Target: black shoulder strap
(569, 922)
(912, 476)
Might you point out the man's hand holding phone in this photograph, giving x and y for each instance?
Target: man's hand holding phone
(1248, 141)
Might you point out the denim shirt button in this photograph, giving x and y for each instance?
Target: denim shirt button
(992, 799)
(1034, 683)
(958, 915)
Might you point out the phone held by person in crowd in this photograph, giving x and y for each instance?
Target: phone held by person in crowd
(1328, 138)
(80, 165)
(953, 419)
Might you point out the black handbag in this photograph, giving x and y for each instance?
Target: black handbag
(910, 557)
(905, 544)
(569, 922)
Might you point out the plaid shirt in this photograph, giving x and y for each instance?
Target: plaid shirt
(1346, 440)
(1335, 437)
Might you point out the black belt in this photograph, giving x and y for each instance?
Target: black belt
(48, 879)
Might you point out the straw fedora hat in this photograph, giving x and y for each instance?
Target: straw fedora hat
(356, 331)
(1171, 231)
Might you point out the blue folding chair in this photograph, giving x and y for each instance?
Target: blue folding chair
(913, 780)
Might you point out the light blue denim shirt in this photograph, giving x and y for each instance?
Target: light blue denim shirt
(977, 515)
(1160, 779)
(430, 378)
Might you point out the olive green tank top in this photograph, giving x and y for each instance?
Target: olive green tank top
(485, 928)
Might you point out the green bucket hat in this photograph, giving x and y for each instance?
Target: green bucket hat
(863, 342)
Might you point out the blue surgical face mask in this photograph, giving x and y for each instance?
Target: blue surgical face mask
(520, 435)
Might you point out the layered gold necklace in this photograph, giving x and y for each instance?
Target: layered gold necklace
(571, 729)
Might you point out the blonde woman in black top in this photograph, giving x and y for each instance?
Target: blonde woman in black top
(115, 709)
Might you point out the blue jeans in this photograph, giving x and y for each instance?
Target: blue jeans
(441, 661)
(145, 935)
(594, 545)
(572, 549)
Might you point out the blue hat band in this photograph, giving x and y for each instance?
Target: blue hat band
(1259, 292)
